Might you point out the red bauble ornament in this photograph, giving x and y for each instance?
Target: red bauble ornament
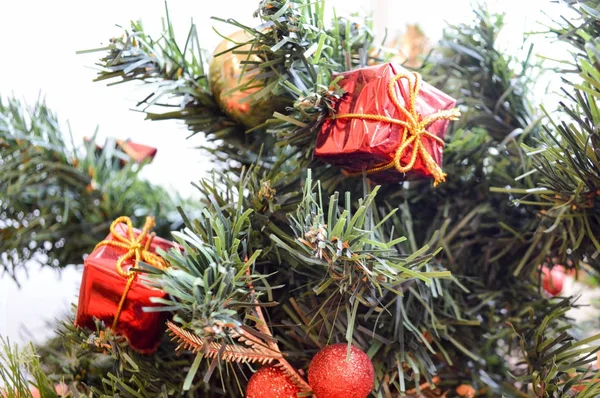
(271, 382)
(332, 374)
(553, 279)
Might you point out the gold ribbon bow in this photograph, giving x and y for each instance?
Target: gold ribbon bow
(134, 250)
(414, 129)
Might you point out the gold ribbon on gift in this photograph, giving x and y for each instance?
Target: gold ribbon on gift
(134, 250)
(414, 129)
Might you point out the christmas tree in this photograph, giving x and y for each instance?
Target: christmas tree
(333, 253)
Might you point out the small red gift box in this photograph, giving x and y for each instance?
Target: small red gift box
(389, 123)
(137, 152)
(105, 284)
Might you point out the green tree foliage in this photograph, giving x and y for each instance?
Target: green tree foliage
(440, 286)
(57, 199)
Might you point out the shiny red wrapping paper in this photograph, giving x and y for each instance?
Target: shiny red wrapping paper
(137, 152)
(102, 288)
(354, 144)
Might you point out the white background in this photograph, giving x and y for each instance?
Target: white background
(38, 40)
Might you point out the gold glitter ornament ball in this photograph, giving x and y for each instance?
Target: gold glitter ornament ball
(224, 76)
(271, 382)
(330, 375)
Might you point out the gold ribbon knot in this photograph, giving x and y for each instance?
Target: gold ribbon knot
(134, 250)
(414, 129)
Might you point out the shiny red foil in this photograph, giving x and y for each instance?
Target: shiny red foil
(102, 288)
(137, 152)
(354, 144)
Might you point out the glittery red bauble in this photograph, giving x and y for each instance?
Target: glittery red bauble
(332, 374)
(271, 382)
(553, 279)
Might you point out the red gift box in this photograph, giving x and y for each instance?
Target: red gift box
(104, 286)
(136, 152)
(389, 123)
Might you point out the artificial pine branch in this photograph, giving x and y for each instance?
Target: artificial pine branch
(209, 290)
(485, 238)
(250, 350)
(21, 372)
(300, 51)
(352, 285)
(258, 351)
(579, 30)
(183, 93)
(215, 328)
(98, 363)
(344, 249)
(226, 213)
(180, 75)
(492, 85)
(58, 200)
(566, 159)
(554, 362)
(323, 275)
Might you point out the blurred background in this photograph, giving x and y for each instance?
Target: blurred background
(39, 40)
